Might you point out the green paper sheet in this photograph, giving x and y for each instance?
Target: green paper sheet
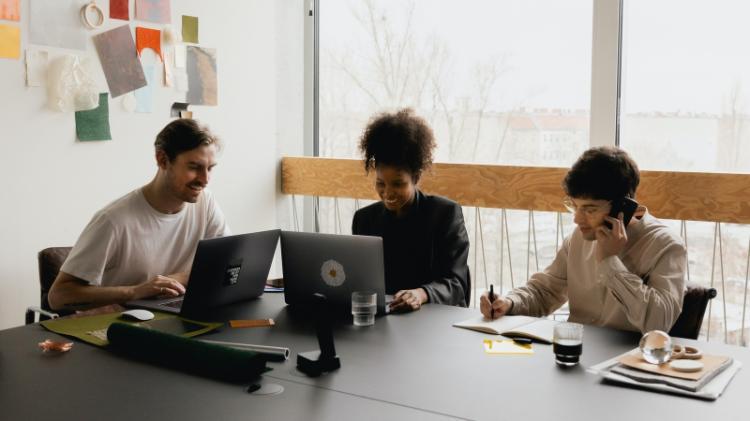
(94, 124)
(190, 29)
(92, 329)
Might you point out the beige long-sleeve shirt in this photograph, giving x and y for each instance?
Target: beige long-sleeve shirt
(639, 290)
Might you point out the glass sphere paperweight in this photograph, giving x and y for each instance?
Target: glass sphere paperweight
(656, 347)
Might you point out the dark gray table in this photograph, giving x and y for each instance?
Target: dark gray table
(408, 366)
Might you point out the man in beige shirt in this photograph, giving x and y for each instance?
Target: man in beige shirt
(629, 278)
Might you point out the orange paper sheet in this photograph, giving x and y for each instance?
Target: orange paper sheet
(10, 41)
(148, 38)
(10, 10)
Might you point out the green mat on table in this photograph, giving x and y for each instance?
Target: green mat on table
(93, 329)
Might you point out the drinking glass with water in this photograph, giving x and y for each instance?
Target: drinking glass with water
(364, 307)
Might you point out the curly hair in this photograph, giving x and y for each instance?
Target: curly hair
(603, 173)
(401, 139)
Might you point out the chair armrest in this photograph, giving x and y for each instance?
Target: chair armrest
(33, 310)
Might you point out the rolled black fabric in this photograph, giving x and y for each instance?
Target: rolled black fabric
(183, 354)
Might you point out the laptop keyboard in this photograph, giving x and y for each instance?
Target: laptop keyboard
(173, 304)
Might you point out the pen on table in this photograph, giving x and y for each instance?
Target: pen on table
(492, 299)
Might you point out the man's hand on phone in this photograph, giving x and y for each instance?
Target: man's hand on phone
(611, 242)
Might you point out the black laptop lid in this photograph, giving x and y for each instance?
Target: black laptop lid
(229, 269)
(333, 265)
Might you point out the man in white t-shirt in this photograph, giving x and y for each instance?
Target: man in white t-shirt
(143, 244)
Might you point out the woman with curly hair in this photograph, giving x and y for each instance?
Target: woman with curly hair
(425, 244)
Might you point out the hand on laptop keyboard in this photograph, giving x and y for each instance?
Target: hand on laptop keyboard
(163, 286)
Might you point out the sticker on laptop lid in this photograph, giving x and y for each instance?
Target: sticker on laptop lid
(332, 273)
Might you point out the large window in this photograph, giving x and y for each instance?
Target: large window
(686, 85)
(511, 82)
(500, 82)
(686, 107)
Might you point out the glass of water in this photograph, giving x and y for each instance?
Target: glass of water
(567, 343)
(364, 307)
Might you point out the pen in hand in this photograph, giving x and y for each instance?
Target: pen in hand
(492, 299)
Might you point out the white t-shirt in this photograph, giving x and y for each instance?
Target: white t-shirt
(129, 242)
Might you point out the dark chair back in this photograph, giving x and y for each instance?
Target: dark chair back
(694, 304)
(50, 261)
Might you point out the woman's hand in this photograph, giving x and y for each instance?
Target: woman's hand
(408, 300)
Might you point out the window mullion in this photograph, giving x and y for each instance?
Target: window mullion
(605, 72)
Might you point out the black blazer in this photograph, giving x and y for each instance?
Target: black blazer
(428, 247)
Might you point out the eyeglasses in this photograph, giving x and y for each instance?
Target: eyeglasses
(588, 210)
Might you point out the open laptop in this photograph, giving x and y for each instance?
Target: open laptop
(333, 265)
(225, 270)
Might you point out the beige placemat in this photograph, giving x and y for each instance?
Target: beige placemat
(634, 359)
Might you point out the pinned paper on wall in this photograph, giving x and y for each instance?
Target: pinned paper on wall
(148, 38)
(57, 23)
(119, 59)
(180, 56)
(168, 60)
(181, 81)
(94, 124)
(201, 71)
(10, 41)
(190, 29)
(36, 67)
(71, 85)
(128, 102)
(119, 9)
(144, 97)
(153, 11)
(10, 10)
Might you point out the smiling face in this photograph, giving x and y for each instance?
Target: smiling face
(189, 173)
(588, 214)
(396, 187)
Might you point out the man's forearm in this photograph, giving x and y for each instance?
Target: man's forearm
(82, 297)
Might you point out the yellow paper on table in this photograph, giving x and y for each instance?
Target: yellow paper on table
(506, 347)
(10, 41)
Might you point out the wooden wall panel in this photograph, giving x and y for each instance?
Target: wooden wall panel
(669, 195)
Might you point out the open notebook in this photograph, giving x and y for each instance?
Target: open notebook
(539, 330)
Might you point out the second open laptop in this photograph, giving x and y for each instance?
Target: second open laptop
(225, 270)
(333, 265)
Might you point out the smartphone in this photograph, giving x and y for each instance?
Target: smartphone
(625, 205)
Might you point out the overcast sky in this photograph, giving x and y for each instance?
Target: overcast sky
(680, 55)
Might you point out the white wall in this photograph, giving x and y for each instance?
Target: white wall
(53, 183)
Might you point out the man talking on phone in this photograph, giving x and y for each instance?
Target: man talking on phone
(620, 267)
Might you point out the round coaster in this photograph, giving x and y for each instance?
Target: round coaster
(686, 366)
(267, 389)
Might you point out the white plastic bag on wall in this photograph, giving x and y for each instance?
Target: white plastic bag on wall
(71, 86)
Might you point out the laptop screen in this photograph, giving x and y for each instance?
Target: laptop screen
(333, 265)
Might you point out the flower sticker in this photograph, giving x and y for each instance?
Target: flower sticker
(332, 273)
